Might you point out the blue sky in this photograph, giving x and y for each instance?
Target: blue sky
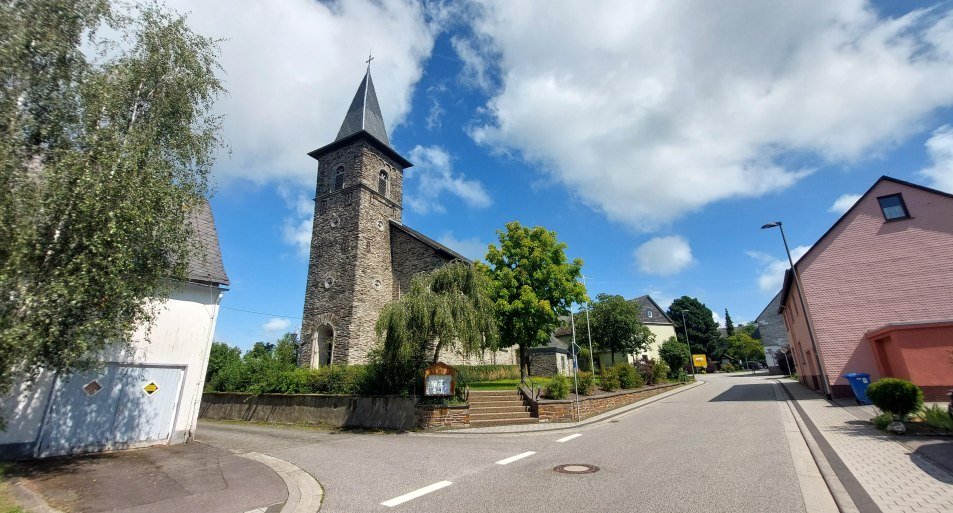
(654, 138)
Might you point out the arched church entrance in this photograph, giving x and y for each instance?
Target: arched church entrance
(323, 344)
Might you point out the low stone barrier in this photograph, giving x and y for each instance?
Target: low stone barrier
(564, 410)
(435, 417)
(383, 412)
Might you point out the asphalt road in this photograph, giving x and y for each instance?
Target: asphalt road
(717, 447)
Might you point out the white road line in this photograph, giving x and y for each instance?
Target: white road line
(416, 493)
(511, 459)
(568, 438)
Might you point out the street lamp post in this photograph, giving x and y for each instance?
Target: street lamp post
(807, 316)
(691, 360)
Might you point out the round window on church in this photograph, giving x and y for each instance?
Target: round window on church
(377, 284)
(380, 224)
(335, 221)
(328, 281)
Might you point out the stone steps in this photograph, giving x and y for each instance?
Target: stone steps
(505, 422)
(499, 408)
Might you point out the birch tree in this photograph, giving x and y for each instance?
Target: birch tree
(105, 147)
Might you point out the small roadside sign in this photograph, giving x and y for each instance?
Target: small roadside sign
(699, 360)
(151, 388)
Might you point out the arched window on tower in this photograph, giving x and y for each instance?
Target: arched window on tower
(339, 178)
(382, 183)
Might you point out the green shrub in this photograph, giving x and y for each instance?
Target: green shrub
(337, 379)
(883, 420)
(676, 355)
(587, 382)
(936, 417)
(660, 372)
(682, 377)
(645, 370)
(610, 379)
(558, 387)
(728, 367)
(629, 378)
(897, 397)
(472, 373)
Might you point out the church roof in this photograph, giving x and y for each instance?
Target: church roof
(440, 248)
(364, 113)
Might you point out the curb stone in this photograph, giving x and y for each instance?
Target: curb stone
(304, 492)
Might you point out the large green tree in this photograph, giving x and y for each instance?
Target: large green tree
(742, 347)
(450, 308)
(729, 326)
(532, 284)
(101, 161)
(615, 327)
(702, 328)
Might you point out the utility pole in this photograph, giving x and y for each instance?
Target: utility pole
(592, 364)
(691, 360)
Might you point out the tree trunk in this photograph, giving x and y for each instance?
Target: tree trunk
(523, 363)
(613, 357)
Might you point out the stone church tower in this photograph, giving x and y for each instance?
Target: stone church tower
(362, 255)
(358, 195)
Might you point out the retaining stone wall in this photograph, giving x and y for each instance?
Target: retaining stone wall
(565, 410)
(383, 412)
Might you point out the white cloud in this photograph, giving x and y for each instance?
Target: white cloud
(472, 248)
(716, 317)
(296, 227)
(432, 176)
(650, 110)
(663, 256)
(276, 324)
(291, 68)
(771, 276)
(940, 149)
(843, 203)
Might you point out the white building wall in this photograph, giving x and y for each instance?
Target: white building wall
(181, 336)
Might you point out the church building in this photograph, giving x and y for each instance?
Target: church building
(362, 255)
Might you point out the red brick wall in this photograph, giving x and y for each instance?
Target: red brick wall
(867, 273)
(565, 410)
(435, 417)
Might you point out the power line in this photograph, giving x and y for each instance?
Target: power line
(262, 313)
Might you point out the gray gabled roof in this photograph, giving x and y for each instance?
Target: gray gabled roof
(205, 265)
(364, 113)
(436, 246)
(659, 316)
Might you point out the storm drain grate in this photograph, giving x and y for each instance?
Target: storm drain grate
(576, 468)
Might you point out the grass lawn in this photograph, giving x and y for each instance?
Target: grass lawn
(505, 384)
(7, 504)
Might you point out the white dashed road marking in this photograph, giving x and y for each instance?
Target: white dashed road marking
(416, 493)
(570, 437)
(511, 459)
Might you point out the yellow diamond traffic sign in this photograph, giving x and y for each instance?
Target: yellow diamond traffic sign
(151, 388)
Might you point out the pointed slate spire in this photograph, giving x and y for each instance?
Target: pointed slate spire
(364, 113)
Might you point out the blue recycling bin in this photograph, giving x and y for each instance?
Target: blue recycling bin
(859, 381)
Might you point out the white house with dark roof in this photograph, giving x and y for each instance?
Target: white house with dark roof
(650, 314)
(146, 395)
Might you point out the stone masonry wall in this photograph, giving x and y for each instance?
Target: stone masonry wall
(440, 417)
(565, 410)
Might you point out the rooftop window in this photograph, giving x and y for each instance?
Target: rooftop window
(893, 207)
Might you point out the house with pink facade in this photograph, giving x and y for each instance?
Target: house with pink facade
(878, 293)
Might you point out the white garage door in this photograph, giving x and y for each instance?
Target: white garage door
(116, 406)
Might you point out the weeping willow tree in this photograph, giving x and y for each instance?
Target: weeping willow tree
(448, 309)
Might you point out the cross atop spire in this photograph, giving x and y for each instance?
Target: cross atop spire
(364, 112)
(370, 57)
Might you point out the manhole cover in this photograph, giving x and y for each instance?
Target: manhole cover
(576, 468)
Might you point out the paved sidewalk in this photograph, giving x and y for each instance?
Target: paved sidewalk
(184, 477)
(896, 478)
